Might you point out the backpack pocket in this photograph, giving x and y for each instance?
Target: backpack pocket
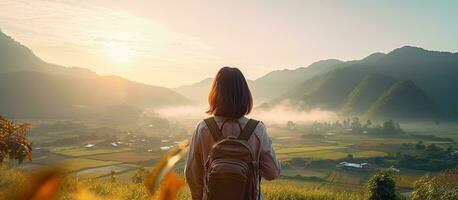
(227, 179)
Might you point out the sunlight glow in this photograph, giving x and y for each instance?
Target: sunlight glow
(119, 52)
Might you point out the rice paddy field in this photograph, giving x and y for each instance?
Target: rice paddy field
(308, 181)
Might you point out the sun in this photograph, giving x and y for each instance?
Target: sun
(119, 52)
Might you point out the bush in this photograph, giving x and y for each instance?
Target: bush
(13, 142)
(443, 186)
(382, 185)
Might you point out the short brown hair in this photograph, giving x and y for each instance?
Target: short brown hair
(230, 96)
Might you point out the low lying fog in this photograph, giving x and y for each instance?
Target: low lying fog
(277, 115)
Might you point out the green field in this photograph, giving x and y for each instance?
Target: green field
(81, 151)
(76, 164)
(126, 156)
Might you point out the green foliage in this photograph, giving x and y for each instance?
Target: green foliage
(366, 93)
(13, 141)
(403, 101)
(113, 176)
(350, 157)
(382, 185)
(443, 186)
(140, 175)
(420, 145)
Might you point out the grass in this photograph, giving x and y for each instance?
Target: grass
(78, 164)
(347, 177)
(129, 156)
(330, 154)
(13, 182)
(305, 149)
(79, 151)
(105, 171)
(306, 172)
(291, 190)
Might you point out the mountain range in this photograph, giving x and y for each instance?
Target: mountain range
(417, 82)
(269, 86)
(408, 83)
(33, 88)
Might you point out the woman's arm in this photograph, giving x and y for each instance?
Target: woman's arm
(268, 163)
(194, 169)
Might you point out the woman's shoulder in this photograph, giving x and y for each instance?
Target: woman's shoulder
(201, 125)
(261, 128)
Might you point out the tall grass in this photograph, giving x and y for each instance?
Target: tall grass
(13, 182)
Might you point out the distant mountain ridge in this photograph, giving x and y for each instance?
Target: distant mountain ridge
(269, 86)
(352, 87)
(33, 88)
(371, 87)
(429, 77)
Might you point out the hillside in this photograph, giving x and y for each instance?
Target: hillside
(32, 88)
(327, 91)
(269, 86)
(434, 72)
(366, 93)
(346, 89)
(273, 84)
(197, 92)
(403, 101)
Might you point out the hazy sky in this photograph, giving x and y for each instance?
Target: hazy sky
(172, 43)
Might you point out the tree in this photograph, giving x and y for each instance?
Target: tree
(368, 124)
(356, 125)
(389, 127)
(350, 157)
(432, 148)
(381, 185)
(291, 125)
(140, 175)
(13, 142)
(113, 176)
(449, 149)
(420, 145)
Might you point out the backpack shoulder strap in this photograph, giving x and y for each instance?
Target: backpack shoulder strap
(248, 129)
(214, 129)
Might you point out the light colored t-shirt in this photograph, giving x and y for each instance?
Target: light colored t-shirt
(202, 142)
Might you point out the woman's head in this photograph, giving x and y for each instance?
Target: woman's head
(229, 95)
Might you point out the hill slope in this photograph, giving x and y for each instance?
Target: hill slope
(269, 86)
(32, 88)
(366, 93)
(197, 92)
(404, 101)
(435, 74)
(326, 91)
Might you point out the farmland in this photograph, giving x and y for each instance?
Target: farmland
(310, 158)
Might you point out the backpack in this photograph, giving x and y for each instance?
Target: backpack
(232, 169)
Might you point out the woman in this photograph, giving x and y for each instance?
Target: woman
(229, 100)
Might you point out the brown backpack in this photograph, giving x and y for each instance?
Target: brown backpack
(232, 169)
